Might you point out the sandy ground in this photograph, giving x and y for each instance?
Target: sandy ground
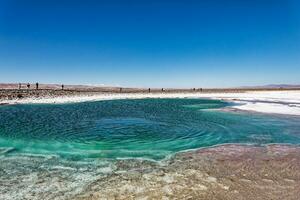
(276, 102)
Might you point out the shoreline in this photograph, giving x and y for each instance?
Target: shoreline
(230, 171)
(285, 102)
(227, 171)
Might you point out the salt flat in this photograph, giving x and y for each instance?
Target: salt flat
(276, 102)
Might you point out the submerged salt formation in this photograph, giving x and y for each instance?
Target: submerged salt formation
(223, 172)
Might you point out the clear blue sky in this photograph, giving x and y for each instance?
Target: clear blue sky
(150, 43)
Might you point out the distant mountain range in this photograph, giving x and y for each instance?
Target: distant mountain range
(274, 86)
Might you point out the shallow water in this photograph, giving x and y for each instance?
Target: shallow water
(144, 128)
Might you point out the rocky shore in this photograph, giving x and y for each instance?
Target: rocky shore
(13, 94)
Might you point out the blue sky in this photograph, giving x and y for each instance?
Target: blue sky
(153, 43)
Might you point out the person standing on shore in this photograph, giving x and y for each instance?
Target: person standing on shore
(62, 87)
(28, 86)
(37, 85)
(149, 90)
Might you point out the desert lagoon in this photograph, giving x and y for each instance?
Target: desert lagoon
(58, 151)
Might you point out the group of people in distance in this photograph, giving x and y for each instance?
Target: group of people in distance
(36, 86)
(163, 89)
(62, 87)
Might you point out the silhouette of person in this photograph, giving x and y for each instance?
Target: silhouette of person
(62, 86)
(149, 90)
(37, 85)
(28, 85)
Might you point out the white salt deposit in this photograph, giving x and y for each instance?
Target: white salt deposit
(277, 102)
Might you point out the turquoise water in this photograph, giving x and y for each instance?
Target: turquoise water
(145, 128)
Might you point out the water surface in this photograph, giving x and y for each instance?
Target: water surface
(144, 128)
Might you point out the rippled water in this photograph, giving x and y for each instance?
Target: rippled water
(147, 128)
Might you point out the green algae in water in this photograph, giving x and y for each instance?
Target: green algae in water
(145, 128)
